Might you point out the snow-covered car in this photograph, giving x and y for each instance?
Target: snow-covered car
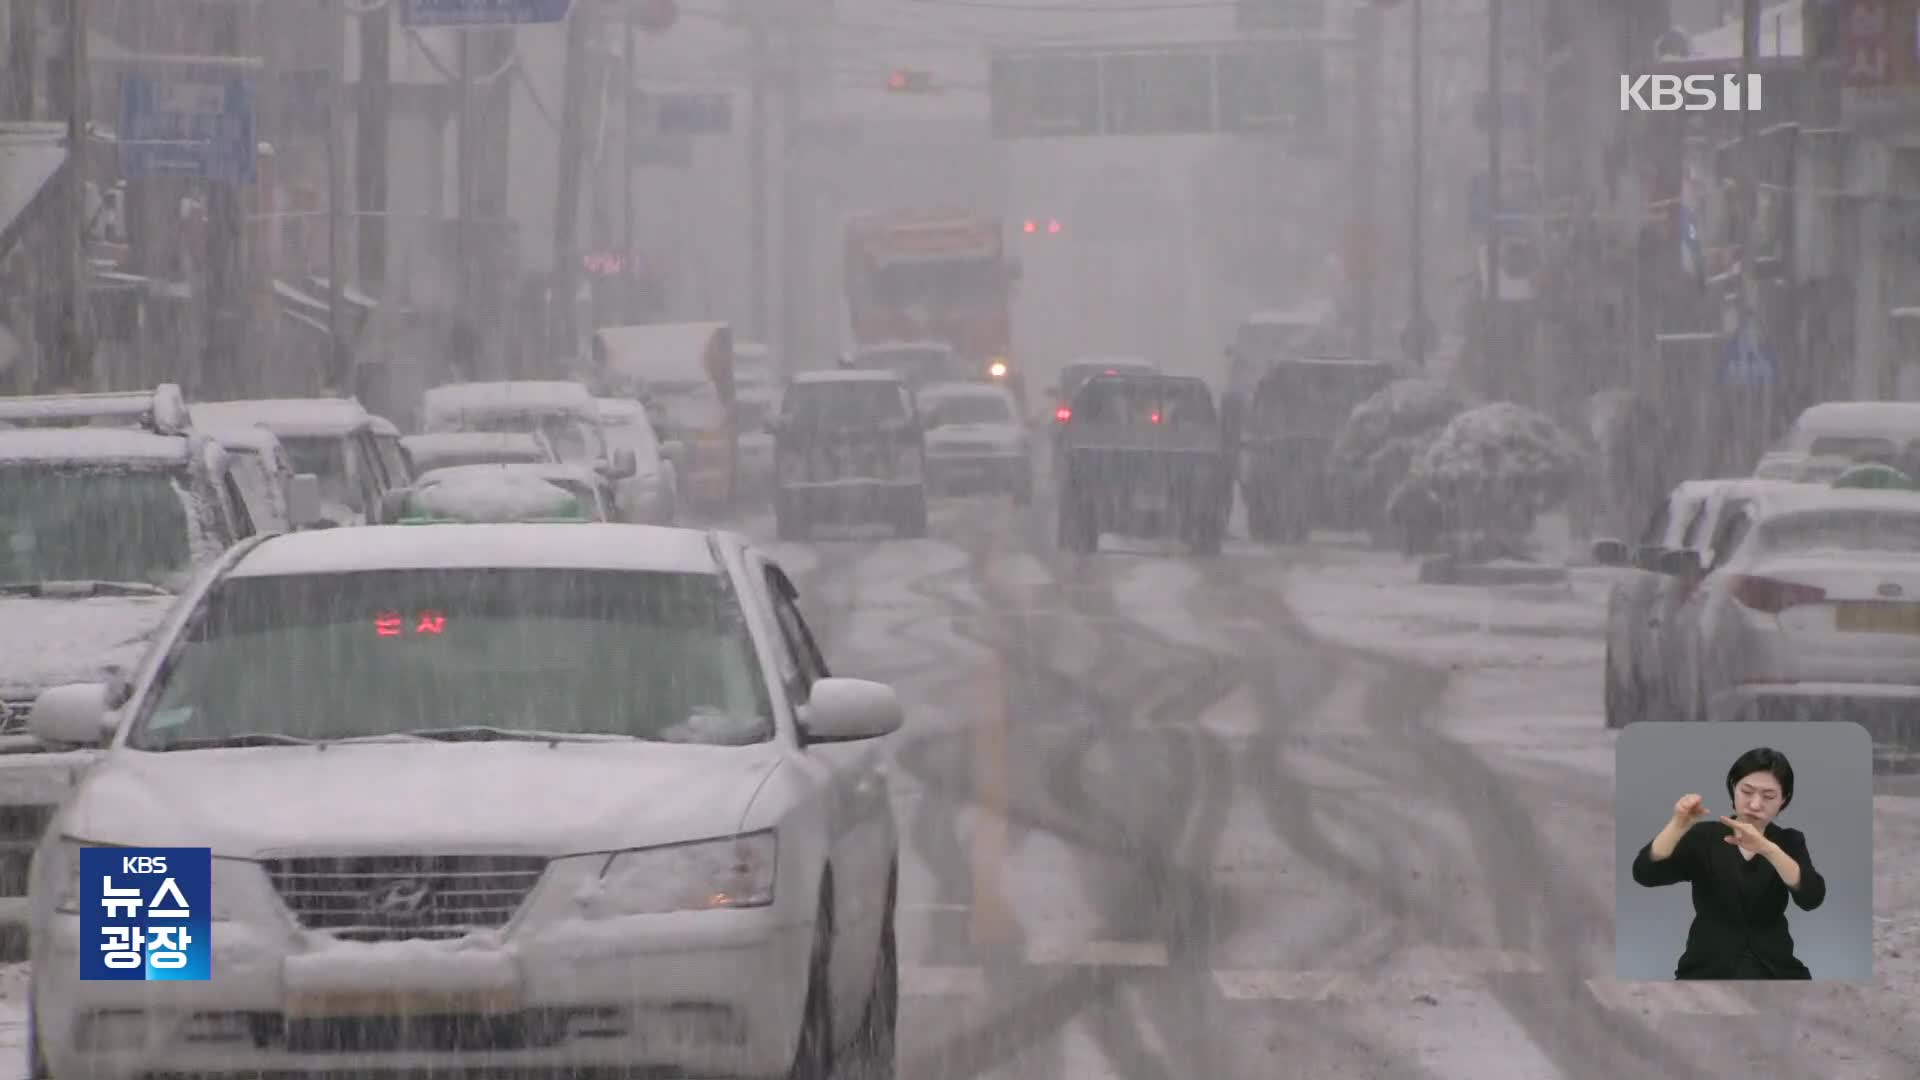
(278, 498)
(446, 449)
(355, 454)
(563, 412)
(1832, 435)
(651, 495)
(1813, 611)
(102, 528)
(1641, 606)
(588, 792)
(849, 448)
(505, 493)
(976, 440)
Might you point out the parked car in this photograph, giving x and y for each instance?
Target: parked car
(446, 449)
(651, 496)
(355, 455)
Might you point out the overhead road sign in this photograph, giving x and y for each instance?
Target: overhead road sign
(189, 117)
(455, 13)
(1276, 87)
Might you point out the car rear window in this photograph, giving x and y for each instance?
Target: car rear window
(1123, 402)
(1844, 530)
(847, 404)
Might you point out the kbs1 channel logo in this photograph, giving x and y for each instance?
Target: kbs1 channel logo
(1690, 93)
(146, 914)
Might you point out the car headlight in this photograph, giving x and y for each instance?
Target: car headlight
(234, 881)
(907, 464)
(997, 369)
(705, 875)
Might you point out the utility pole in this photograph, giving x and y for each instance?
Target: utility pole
(226, 282)
(628, 135)
(339, 369)
(23, 59)
(464, 159)
(759, 316)
(78, 363)
(1749, 318)
(566, 225)
(1417, 304)
(1490, 310)
(1364, 170)
(370, 145)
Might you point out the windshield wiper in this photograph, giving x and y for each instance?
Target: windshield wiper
(222, 742)
(485, 733)
(82, 588)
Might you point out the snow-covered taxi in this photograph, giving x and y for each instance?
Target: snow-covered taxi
(575, 797)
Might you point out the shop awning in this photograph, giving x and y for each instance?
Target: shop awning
(30, 156)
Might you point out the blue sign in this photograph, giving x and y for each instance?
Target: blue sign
(482, 12)
(146, 914)
(1747, 361)
(189, 122)
(691, 114)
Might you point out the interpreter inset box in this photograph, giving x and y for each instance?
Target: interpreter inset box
(1743, 850)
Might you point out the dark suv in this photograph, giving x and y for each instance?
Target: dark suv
(849, 447)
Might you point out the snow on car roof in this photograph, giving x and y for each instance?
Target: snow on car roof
(568, 546)
(286, 417)
(92, 445)
(857, 375)
(613, 408)
(512, 394)
(250, 437)
(1861, 418)
(444, 441)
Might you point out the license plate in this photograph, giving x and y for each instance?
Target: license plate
(1149, 501)
(317, 1004)
(1878, 618)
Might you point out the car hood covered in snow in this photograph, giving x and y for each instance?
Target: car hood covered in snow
(420, 798)
(51, 641)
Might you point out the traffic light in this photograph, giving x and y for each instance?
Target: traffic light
(1035, 226)
(904, 81)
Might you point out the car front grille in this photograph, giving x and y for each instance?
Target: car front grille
(398, 897)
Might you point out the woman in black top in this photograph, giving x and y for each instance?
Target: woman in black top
(1742, 868)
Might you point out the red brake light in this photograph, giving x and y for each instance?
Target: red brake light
(1155, 418)
(1767, 595)
(1062, 414)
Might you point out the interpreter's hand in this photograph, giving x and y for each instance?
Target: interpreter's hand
(1689, 809)
(1745, 836)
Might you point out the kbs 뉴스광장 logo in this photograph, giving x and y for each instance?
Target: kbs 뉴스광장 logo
(146, 914)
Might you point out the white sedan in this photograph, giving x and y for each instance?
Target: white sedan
(540, 797)
(976, 439)
(1813, 611)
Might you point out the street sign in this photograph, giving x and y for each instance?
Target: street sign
(686, 114)
(442, 13)
(1286, 15)
(1237, 87)
(1158, 94)
(1279, 88)
(188, 121)
(1045, 94)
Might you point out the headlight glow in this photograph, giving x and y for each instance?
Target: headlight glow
(997, 369)
(736, 872)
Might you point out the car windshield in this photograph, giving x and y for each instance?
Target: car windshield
(1850, 446)
(326, 457)
(656, 656)
(840, 405)
(447, 457)
(63, 524)
(1843, 530)
(1176, 404)
(574, 440)
(950, 410)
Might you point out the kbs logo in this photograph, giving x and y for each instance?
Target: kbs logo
(146, 914)
(1691, 93)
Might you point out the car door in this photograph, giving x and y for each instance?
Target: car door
(860, 818)
(1630, 604)
(1713, 664)
(1666, 592)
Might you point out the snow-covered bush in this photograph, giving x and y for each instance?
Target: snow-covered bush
(1386, 433)
(1489, 471)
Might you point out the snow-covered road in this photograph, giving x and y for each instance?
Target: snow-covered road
(1279, 814)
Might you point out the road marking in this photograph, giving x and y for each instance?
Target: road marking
(1691, 998)
(943, 982)
(1098, 954)
(992, 922)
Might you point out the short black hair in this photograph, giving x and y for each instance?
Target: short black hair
(1767, 760)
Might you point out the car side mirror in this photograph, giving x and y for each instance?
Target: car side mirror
(76, 714)
(1681, 563)
(1610, 552)
(303, 501)
(672, 450)
(393, 505)
(851, 710)
(625, 463)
